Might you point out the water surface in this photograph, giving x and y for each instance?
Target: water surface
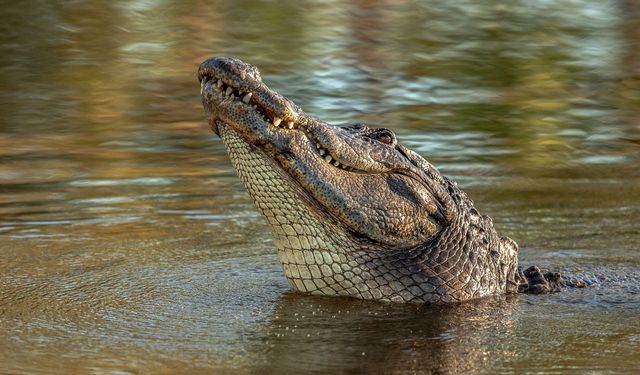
(127, 243)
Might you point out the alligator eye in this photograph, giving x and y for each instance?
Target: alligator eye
(385, 138)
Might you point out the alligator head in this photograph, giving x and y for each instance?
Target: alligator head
(353, 212)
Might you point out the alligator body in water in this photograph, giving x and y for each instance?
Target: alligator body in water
(353, 212)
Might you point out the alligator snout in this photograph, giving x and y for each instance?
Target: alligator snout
(230, 67)
(224, 78)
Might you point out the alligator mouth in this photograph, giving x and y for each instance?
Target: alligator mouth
(223, 91)
(326, 168)
(220, 93)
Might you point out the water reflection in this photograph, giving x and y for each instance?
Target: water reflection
(332, 335)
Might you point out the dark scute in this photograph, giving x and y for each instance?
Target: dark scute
(400, 187)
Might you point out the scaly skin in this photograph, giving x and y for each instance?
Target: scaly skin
(352, 211)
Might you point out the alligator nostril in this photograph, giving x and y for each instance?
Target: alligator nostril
(254, 73)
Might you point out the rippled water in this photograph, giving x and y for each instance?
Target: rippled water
(127, 243)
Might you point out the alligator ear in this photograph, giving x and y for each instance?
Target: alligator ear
(434, 180)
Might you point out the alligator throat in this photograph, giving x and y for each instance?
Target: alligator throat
(352, 211)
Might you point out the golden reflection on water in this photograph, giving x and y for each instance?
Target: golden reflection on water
(127, 243)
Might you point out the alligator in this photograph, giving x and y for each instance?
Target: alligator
(352, 211)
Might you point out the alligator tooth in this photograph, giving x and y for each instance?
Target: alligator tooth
(219, 84)
(336, 163)
(247, 98)
(291, 125)
(276, 121)
(318, 146)
(202, 83)
(328, 158)
(229, 91)
(322, 152)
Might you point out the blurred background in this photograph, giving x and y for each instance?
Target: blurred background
(127, 243)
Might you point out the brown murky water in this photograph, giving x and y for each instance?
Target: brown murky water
(127, 244)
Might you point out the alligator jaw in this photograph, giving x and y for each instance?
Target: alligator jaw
(229, 83)
(330, 165)
(234, 95)
(217, 94)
